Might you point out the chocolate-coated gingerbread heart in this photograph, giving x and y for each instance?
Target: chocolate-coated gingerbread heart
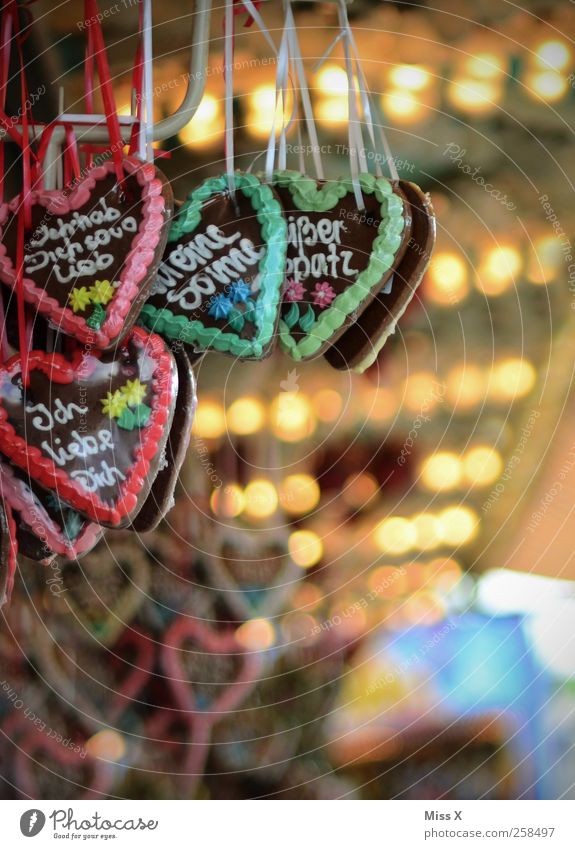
(91, 428)
(338, 257)
(359, 346)
(161, 497)
(218, 286)
(46, 526)
(8, 552)
(92, 250)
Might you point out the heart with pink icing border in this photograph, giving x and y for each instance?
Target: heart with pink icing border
(92, 250)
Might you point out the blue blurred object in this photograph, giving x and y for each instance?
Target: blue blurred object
(484, 665)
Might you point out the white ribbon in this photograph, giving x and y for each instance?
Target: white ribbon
(229, 93)
(146, 137)
(299, 75)
(280, 101)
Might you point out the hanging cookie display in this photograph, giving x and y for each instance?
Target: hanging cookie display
(338, 257)
(91, 428)
(218, 286)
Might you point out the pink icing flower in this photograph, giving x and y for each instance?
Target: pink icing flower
(323, 295)
(293, 291)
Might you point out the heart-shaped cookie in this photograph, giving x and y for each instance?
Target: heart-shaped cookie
(161, 497)
(92, 251)
(338, 258)
(91, 428)
(8, 552)
(359, 346)
(52, 762)
(107, 591)
(46, 526)
(208, 671)
(218, 286)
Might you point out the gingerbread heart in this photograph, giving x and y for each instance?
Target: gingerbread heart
(106, 593)
(8, 552)
(91, 428)
(338, 257)
(101, 684)
(92, 251)
(218, 286)
(53, 763)
(161, 497)
(46, 526)
(208, 671)
(360, 345)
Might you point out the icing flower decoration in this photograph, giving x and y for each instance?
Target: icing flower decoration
(220, 306)
(293, 291)
(114, 403)
(134, 392)
(323, 295)
(239, 292)
(80, 298)
(101, 292)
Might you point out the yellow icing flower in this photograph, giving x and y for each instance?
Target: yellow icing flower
(114, 403)
(134, 392)
(102, 291)
(80, 298)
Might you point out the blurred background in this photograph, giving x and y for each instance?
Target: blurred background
(365, 588)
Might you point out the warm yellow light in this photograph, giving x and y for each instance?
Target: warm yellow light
(466, 386)
(428, 531)
(261, 499)
(210, 420)
(246, 416)
(442, 471)
(474, 96)
(544, 260)
(256, 635)
(457, 525)
(499, 270)
(443, 573)
(482, 465)
(332, 111)
(411, 77)
(447, 279)
(485, 66)
(107, 744)
(512, 378)
(291, 417)
(388, 581)
(299, 494)
(549, 85)
(554, 55)
(395, 535)
(380, 403)
(332, 81)
(227, 501)
(423, 608)
(262, 107)
(206, 123)
(421, 392)
(359, 490)
(306, 548)
(403, 105)
(327, 404)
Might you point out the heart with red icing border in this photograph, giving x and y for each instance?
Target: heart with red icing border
(92, 251)
(91, 428)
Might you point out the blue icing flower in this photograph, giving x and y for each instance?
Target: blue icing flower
(220, 307)
(239, 292)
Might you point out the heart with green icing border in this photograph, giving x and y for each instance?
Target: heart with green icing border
(219, 284)
(315, 313)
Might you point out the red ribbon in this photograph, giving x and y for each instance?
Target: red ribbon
(101, 57)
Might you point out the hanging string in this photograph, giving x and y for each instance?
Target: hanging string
(101, 57)
(229, 93)
(300, 75)
(280, 102)
(147, 83)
